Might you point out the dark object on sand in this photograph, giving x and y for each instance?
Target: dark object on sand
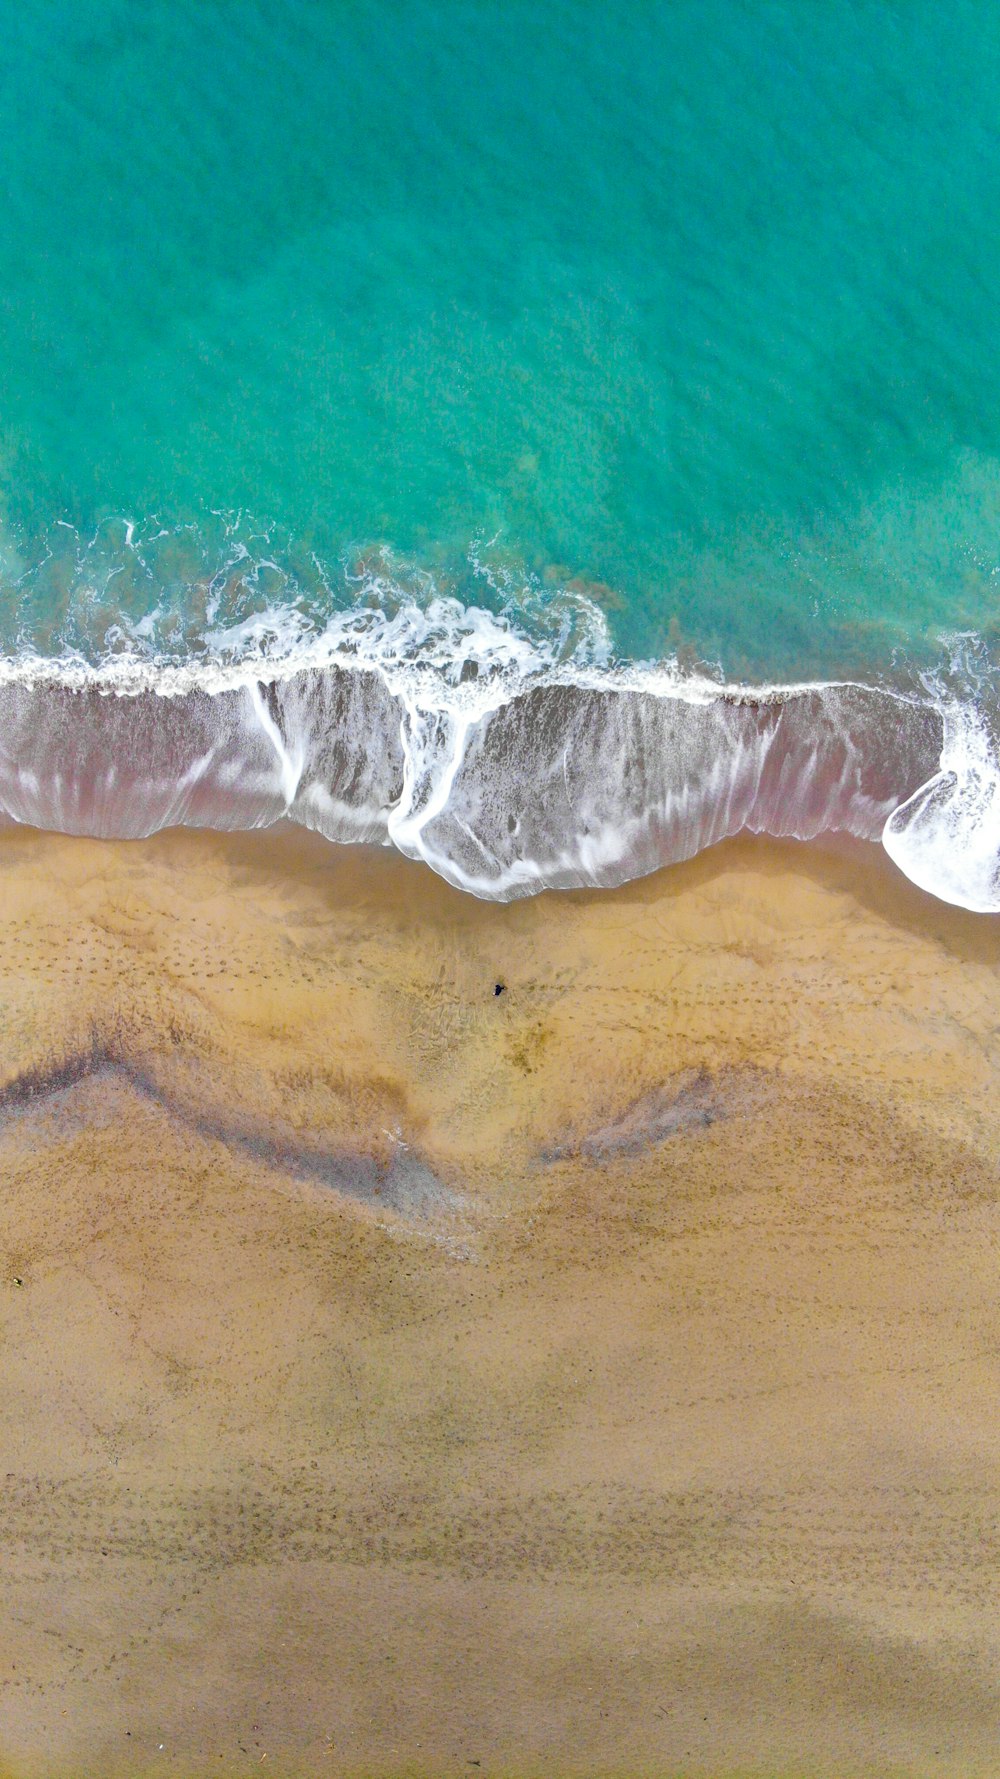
(498, 988)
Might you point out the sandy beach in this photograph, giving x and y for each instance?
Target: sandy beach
(597, 1377)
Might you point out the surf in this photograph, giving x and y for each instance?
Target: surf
(504, 761)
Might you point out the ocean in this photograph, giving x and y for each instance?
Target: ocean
(547, 438)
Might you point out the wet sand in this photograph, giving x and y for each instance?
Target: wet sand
(600, 1377)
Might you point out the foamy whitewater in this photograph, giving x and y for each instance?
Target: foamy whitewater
(507, 763)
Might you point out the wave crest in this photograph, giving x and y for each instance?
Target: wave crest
(502, 763)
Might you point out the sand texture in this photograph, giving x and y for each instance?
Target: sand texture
(601, 1377)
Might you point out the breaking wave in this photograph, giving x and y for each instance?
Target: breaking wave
(508, 765)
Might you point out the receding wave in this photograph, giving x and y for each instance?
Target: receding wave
(448, 734)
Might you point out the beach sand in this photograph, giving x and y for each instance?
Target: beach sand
(599, 1377)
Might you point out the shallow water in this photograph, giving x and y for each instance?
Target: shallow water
(664, 333)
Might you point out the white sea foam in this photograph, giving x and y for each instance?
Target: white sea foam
(508, 763)
(946, 836)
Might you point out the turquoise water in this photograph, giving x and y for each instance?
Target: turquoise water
(382, 386)
(699, 302)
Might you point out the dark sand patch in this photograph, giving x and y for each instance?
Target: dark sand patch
(694, 1101)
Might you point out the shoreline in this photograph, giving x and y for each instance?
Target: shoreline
(455, 739)
(595, 1377)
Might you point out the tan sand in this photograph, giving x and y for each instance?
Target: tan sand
(597, 1378)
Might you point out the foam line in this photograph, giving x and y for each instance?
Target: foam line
(506, 766)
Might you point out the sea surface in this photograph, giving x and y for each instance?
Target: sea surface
(545, 437)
